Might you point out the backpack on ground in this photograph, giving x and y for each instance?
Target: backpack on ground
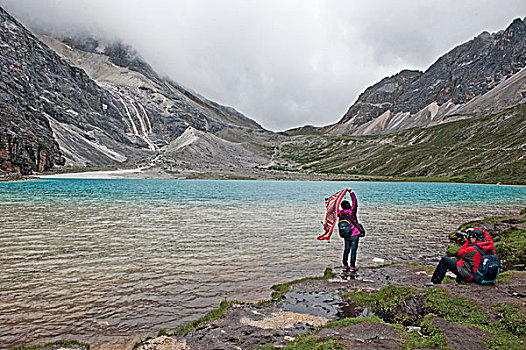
(488, 270)
(344, 228)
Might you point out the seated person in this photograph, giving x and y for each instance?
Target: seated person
(470, 257)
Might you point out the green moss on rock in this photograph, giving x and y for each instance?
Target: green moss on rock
(431, 337)
(212, 315)
(454, 308)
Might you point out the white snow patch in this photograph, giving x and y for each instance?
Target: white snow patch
(380, 105)
(465, 63)
(433, 109)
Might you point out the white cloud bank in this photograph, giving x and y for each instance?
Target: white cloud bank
(283, 63)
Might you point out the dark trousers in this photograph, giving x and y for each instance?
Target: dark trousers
(351, 245)
(444, 265)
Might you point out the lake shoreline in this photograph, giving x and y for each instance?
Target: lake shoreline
(156, 173)
(407, 315)
(388, 300)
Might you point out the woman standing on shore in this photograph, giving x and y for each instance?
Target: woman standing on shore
(351, 243)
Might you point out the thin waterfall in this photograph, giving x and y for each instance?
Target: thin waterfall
(144, 130)
(139, 118)
(133, 127)
(146, 118)
(145, 127)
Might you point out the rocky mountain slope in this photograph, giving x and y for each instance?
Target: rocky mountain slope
(91, 103)
(170, 109)
(197, 149)
(452, 86)
(38, 89)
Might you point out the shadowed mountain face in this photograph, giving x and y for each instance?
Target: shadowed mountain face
(87, 103)
(414, 99)
(47, 103)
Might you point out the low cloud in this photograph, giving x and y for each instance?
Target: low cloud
(282, 63)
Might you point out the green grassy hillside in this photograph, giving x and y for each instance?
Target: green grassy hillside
(487, 149)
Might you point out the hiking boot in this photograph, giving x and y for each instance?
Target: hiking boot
(347, 269)
(429, 284)
(354, 269)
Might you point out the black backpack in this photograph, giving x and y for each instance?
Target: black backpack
(488, 269)
(344, 227)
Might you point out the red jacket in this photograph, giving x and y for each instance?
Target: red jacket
(471, 257)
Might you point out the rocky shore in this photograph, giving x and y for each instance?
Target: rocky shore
(384, 307)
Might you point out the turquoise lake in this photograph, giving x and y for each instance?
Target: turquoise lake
(110, 261)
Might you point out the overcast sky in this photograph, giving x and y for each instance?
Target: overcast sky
(283, 63)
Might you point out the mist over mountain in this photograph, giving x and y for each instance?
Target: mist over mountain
(415, 99)
(89, 103)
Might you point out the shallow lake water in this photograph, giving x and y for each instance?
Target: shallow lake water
(108, 261)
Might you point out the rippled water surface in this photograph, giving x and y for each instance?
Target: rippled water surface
(115, 260)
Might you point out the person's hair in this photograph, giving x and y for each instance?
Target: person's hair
(477, 234)
(346, 205)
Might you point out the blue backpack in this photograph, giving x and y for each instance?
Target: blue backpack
(488, 269)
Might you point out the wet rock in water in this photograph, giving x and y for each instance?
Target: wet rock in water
(354, 310)
(313, 303)
(248, 326)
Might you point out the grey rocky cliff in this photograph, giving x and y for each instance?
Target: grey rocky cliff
(379, 98)
(165, 107)
(121, 70)
(82, 102)
(41, 94)
(419, 99)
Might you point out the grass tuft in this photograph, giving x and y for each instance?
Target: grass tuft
(212, 315)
